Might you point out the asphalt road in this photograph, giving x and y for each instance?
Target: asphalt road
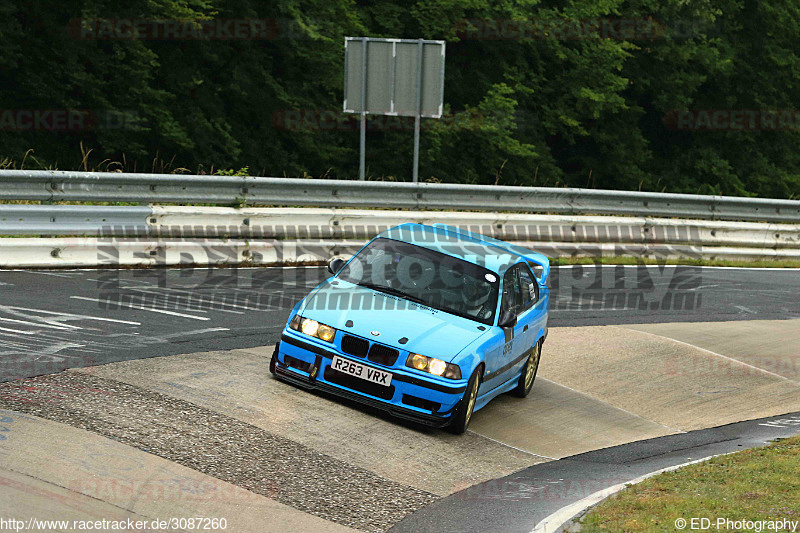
(518, 502)
(52, 320)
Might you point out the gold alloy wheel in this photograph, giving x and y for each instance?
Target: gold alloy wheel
(533, 363)
(473, 395)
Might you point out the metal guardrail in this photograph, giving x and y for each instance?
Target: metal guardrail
(71, 219)
(201, 222)
(113, 252)
(53, 186)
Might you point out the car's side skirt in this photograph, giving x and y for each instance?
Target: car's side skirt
(506, 368)
(504, 386)
(488, 396)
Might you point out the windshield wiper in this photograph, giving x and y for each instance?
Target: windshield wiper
(395, 292)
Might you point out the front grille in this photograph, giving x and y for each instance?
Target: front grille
(354, 346)
(358, 384)
(383, 355)
(421, 403)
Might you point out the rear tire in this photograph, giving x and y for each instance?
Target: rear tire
(466, 406)
(528, 375)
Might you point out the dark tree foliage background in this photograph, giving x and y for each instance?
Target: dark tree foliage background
(568, 109)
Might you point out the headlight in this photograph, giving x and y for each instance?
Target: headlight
(437, 367)
(309, 327)
(415, 360)
(312, 328)
(326, 333)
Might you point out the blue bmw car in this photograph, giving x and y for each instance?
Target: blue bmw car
(427, 322)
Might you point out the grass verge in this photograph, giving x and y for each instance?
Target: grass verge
(757, 484)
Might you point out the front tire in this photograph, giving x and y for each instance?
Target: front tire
(274, 360)
(466, 406)
(528, 375)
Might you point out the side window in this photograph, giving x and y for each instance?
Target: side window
(529, 287)
(512, 295)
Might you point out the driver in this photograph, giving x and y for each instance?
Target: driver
(476, 298)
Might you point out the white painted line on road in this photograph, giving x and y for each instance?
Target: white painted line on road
(69, 345)
(189, 296)
(228, 311)
(731, 359)
(46, 273)
(74, 316)
(194, 332)
(41, 324)
(553, 523)
(19, 331)
(134, 306)
(779, 422)
(238, 306)
(157, 302)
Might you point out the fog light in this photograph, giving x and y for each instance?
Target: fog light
(437, 367)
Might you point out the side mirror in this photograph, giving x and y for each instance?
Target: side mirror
(507, 319)
(335, 265)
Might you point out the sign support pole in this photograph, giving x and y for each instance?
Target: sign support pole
(362, 162)
(362, 155)
(415, 174)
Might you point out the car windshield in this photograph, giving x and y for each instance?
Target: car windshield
(427, 277)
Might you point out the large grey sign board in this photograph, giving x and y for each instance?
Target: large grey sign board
(392, 72)
(393, 77)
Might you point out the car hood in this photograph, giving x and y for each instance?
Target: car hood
(429, 331)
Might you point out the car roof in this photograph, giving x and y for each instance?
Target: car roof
(493, 254)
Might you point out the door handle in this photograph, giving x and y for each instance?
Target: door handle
(525, 328)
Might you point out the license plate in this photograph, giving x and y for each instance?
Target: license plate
(361, 371)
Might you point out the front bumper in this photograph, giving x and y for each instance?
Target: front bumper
(306, 365)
